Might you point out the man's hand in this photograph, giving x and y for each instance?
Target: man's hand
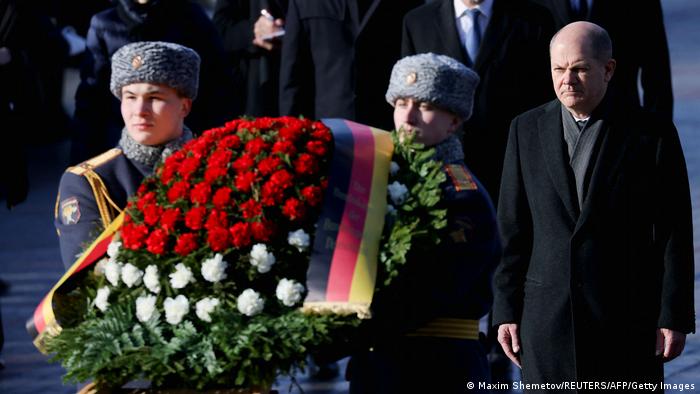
(669, 343)
(263, 27)
(509, 338)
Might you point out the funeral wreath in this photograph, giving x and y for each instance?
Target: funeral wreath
(202, 285)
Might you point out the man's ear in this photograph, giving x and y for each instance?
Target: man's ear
(455, 124)
(610, 69)
(186, 107)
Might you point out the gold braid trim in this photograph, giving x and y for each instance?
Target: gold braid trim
(99, 190)
(361, 309)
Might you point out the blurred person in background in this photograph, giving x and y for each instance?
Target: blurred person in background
(252, 33)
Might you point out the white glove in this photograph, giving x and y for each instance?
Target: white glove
(76, 43)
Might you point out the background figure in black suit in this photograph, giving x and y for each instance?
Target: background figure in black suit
(98, 123)
(596, 279)
(638, 31)
(512, 61)
(242, 27)
(337, 56)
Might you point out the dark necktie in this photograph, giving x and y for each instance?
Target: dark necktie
(474, 39)
(581, 124)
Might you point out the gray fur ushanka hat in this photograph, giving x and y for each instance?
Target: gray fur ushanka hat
(156, 62)
(436, 79)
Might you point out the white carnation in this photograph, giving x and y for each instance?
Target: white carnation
(398, 192)
(113, 249)
(151, 280)
(131, 275)
(146, 307)
(176, 308)
(289, 291)
(261, 259)
(113, 271)
(181, 277)
(100, 266)
(101, 298)
(214, 269)
(205, 306)
(394, 168)
(299, 238)
(250, 303)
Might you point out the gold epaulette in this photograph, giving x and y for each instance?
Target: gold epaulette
(95, 162)
(108, 209)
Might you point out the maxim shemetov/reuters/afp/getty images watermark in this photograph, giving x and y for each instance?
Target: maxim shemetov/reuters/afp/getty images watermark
(517, 385)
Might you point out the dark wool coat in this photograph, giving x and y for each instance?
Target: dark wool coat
(513, 64)
(590, 286)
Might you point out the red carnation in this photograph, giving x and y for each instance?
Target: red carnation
(216, 218)
(305, 164)
(230, 141)
(151, 214)
(284, 147)
(262, 231)
(133, 235)
(293, 209)
(218, 239)
(264, 123)
(156, 241)
(200, 193)
(222, 197)
(243, 163)
(251, 209)
(220, 158)
(232, 125)
(244, 181)
(169, 219)
(142, 188)
(291, 132)
(212, 174)
(195, 217)
(188, 167)
(269, 164)
(170, 167)
(312, 195)
(321, 132)
(317, 148)
(240, 234)
(186, 244)
(145, 200)
(178, 191)
(282, 179)
(255, 146)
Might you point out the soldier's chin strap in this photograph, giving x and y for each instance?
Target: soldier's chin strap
(108, 209)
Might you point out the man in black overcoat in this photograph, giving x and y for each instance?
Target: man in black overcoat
(511, 61)
(337, 56)
(596, 279)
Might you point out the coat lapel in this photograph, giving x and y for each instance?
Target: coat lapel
(556, 157)
(445, 24)
(613, 147)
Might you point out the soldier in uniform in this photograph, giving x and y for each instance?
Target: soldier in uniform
(156, 83)
(424, 329)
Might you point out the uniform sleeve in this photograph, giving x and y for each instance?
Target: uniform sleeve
(674, 236)
(515, 226)
(77, 218)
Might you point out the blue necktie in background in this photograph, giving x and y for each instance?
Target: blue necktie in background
(474, 39)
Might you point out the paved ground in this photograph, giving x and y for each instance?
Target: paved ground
(30, 261)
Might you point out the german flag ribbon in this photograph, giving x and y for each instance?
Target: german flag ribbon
(343, 266)
(44, 321)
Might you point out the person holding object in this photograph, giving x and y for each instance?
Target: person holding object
(424, 326)
(596, 279)
(156, 83)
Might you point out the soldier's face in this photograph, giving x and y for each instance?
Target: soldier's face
(153, 114)
(430, 125)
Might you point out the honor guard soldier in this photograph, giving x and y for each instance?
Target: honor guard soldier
(425, 325)
(156, 83)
